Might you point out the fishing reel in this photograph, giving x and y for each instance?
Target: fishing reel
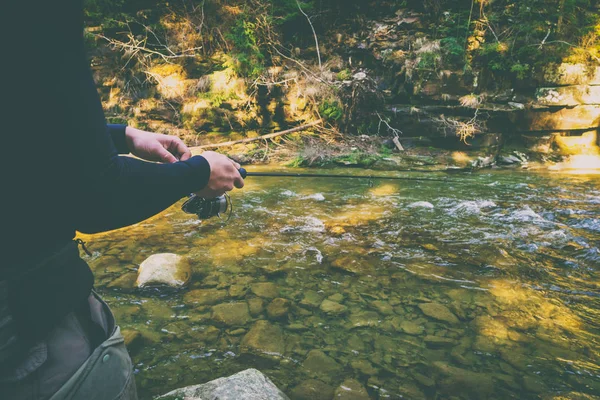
(221, 207)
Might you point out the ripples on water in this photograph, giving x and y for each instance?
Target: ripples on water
(484, 287)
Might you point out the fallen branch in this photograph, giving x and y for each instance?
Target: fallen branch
(264, 137)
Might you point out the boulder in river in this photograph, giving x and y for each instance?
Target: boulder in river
(249, 384)
(438, 311)
(164, 269)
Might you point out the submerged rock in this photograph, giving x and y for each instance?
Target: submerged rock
(264, 338)
(267, 290)
(320, 364)
(164, 269)
(411, 328)
(311, 299)
(333, 308)
(439, 312)
(231, 314)
(351, 389)
(204, 296)
(250, 384)
(278, 308)
(312, 389)
(476, 384)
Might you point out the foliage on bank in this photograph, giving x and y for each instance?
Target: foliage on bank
(217, 66)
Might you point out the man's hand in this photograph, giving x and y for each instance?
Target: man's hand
(224, 175)
(155, 147)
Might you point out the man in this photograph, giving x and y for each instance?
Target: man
(61, 172)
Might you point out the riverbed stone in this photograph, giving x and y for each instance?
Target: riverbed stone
(320, 364)
(278, 308)
(439, 312)
(311, 299)
(125, 281)
(411, 328)
(267, 290)
(238, 291)
(264, 338)
(364, 366)
(333, 308)
(351, 389)
(438, 342)
(256, 306)
(348, 264)
(164, 269)
(476, 384)
(231, 314)
(312, 389)
(337, 297)
(204, 296)
(133, 340)
(248, 384)
(383, 307)
(362, 319)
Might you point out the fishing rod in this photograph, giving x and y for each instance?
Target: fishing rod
(245, 173)
(207, 208)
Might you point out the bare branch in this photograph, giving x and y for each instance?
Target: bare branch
(314, 33)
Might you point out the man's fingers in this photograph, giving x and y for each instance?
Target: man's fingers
(178, 148)
(166, 156)
(238, 182)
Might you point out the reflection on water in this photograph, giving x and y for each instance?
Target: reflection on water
(484, 287)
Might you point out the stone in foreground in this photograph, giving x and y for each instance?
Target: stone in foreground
(250, 384)
(164, 269)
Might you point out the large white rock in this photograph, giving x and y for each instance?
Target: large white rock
(250, 384)
(164, 269)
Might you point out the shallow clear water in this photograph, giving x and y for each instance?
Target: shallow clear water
(486, 287)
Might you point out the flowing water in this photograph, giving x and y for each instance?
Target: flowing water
(484, 287)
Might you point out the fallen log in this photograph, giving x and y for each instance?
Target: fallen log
(263, 137)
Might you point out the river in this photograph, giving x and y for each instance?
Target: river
(485, 286)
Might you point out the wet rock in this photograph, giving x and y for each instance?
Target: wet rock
(336, 230)
(365, 367)
(164, 269)
(238, 291)
(208, 334)
(383, 307)
(319, 364)
(236, 332)
(312, 389)
(133, 340)
(264, 338)
(533, 384)
(351, 389)
(515, 358)
(348, 264)
(364, 318)
(438, 342)
(248, 384)
(333, 308)
(278, 308)
(256, 306)
(231, 314)
(338, 297)
(297, 327)
(267, 290)
(204, 296)
(311, 299)
(411, 328)
(439, 312)
(125, 281)
(476, 384)
(423, 380)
